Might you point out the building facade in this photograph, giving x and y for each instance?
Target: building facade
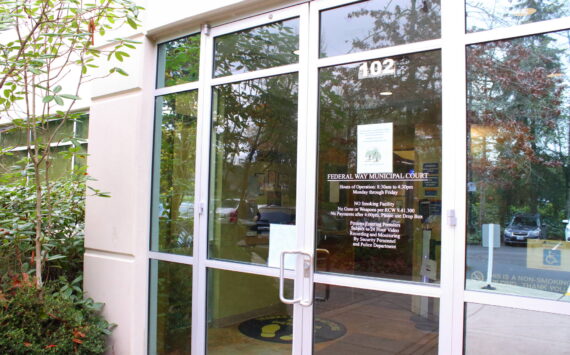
(336, 177)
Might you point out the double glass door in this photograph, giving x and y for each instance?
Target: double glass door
(308, 163)
(324, 183)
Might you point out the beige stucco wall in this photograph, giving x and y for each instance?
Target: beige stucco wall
(120, 144)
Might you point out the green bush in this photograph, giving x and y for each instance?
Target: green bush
(62, 227)
(34, 321)
(54, 319)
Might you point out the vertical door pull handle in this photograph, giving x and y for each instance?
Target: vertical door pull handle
(307, 273)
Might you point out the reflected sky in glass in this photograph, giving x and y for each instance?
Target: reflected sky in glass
(489, 14)
(377, 24)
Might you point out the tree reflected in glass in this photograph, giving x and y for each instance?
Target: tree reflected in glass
(178, 61)
(377, 24)
(253, 165)
(257, 48)
(518, 161)
(175, 206)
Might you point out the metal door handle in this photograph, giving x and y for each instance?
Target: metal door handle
(307, 273)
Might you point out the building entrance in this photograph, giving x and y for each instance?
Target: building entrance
(323, 186)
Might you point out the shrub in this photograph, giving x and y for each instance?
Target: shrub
(43, 321)
(62, 228)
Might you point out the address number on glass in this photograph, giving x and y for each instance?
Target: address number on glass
(377, 68)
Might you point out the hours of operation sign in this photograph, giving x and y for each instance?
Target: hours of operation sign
(376, 222)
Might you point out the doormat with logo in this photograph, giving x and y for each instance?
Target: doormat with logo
(278, 329)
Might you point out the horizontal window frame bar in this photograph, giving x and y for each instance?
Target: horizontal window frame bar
(51, 145)
(179, 35)
(253, 269)
(529, 29)
(409, 48)
(174, 258)
(258, 74)
(382, 285)
(177, 89)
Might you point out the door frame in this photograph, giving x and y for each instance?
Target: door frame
(202, 263)
(451, 283)
(307, 69)
(451, 292)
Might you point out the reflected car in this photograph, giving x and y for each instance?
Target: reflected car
(273, 215)
(232, 211)
(523, 227)
(567, 230)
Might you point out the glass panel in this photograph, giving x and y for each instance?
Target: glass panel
(379, 168)
(518, 166)
(253, 166)
(245, 315)
(355, 321)
(257, 48)
(170, 308)
(489, 14)
(174, 172)
(11, 165)
(63, 132)
(178, 61)
(13, 137)
(522, 332)
(60, 162)
(82, 127)
(377, 24)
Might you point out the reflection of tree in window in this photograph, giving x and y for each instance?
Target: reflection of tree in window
(254, 164)
(177, 169)
(181, 60)
(261, 47)
(518, 117)
(378, 24)
(256, 129)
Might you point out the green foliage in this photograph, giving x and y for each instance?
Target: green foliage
(48, 55)
(41, 321)
(181, 60)
(47, 34)
(62, 237)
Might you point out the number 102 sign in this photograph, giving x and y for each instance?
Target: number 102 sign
(377, 68)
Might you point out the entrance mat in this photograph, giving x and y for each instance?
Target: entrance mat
(278, 329)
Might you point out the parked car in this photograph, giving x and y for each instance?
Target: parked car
(567, 230)
(273, 215)
(523, 227)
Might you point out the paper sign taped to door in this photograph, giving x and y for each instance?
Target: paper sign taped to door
(374, 148)
(282, 237)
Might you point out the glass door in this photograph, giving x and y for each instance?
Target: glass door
(324, 190)
(376, 171)
(256, 99)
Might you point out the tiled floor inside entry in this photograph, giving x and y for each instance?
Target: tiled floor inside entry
(375, 322)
